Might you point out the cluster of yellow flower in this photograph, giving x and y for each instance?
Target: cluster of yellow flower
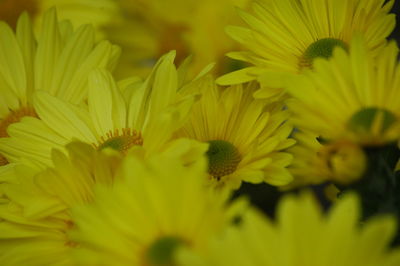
(128, 152)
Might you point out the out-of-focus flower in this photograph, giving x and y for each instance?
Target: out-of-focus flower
(35, 211)
(314, 162)
(57, 62)
(247, 138)
(146, 29)
(303, 235)
(151, 212)
(137, 114)
(36, 215)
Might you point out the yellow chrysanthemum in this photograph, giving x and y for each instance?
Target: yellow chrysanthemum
(149, 214)
(314, 162)
(58, 62)
(136, 114)
(351, 96)
(287, 35)
(247, 138)
(35, 214)
(302, 235)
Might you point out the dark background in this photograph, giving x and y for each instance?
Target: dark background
(396, 32)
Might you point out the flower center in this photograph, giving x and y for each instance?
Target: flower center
(121, 142)
(11, 9)
(161, 252)
(14, 117)
(364, 119)
(371, 122)
(322, 48)
(223, 158)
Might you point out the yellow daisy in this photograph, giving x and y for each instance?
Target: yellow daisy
(352, 96)
(287, 35)
(35, 215)
(132, 113)
(303, 235)
(149, 214)
(247, 138)
(58, 62)
(314, 162)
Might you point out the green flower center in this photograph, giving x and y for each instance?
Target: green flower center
(161, 252)
(363, 120)
(223, 158)
(120, 142)
(322, 48)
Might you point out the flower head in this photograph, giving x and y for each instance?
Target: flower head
(35, 209)
(352, 96)
(247, 138)
(58, 62)
(287, 36)
(316, 161)
(117, 116)
(155, 208)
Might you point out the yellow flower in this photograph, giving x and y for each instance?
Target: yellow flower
(35, 213)
(58, 62)
(302, 235)
(352, 96)
(340, 162)
(287, 35)
(247, 138)
(132, 113)
(155, 209)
